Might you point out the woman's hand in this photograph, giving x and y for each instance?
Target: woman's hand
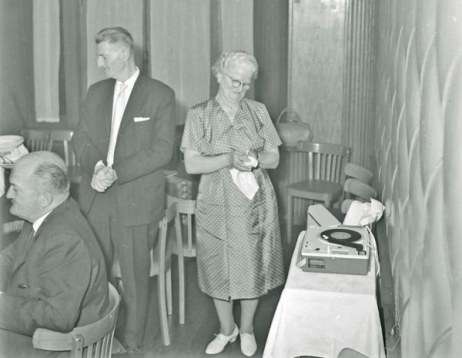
(240, 162)
(252, 153)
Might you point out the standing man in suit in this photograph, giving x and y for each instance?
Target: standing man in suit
(53, 275)
(124, 138)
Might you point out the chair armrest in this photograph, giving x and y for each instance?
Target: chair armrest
(51, 341)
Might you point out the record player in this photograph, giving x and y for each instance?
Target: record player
(335, 249)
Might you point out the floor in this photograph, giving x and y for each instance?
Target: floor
(190, 339)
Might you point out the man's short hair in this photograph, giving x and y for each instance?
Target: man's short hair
(114, 35)
(52, 178)
(49, 171)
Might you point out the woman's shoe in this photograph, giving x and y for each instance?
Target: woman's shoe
(248, 344)
(220, 341)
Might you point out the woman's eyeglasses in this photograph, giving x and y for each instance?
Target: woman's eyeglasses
(236, 84)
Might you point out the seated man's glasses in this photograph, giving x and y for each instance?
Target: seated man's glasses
(236, 84)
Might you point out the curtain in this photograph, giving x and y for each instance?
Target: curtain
(236, 25)
(179, 49)
(16, 66)
(46, 60)
(107, 13)
(73, 82)
(186, 38)
(177, 42)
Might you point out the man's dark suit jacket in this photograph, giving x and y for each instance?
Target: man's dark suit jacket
(58, 283)
(144, 145)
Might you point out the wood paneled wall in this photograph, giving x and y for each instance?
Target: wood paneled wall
(359, 80)
(316, 58)
(419, 167)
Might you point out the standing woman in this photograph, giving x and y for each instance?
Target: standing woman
(231, 141)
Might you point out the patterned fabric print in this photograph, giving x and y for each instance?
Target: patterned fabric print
(239, 252)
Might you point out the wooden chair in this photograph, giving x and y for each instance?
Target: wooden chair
(37, 139)
(358, 172)
(356, 190)
(73, 168)
(161, 267)
(325, 166)
(95, 338)
(187, 209)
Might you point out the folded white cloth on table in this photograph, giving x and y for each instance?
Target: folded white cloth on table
(245, 181)
(364, 213)
(8, 159)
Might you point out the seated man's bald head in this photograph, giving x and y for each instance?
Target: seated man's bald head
(39, 183)
(43, 157)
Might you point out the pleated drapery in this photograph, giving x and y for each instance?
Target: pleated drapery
(46, 59)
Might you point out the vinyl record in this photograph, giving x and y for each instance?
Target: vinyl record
(344, 235)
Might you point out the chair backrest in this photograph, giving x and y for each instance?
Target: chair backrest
(354, 189)
(95, 339)
(358, 190)
(65, 136)
(358, 172)
(325, 161)
(37, 139)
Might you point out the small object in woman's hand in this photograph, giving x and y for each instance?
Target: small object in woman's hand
(251, 161)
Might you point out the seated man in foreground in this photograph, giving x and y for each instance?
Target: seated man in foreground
(53, 275)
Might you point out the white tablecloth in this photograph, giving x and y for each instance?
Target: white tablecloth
(319, 314)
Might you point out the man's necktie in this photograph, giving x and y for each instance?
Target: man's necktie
(119, 109)
(30, 239)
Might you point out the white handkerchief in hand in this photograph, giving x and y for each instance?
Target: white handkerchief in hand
(246, 181)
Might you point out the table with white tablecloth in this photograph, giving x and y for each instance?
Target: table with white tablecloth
(319, 314)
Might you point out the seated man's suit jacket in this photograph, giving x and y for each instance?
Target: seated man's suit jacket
(144, 145)
(55, 279)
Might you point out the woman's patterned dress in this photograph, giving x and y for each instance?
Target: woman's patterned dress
(239, 252)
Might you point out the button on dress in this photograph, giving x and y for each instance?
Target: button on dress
(238, 242)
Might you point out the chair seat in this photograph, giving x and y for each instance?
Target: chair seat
(187, 250)
(319, 190)
(154, 270)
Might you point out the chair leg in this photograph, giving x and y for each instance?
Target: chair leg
(289, 218)
(163, 309)
(169, 292)
(190, 235)
(181, 281)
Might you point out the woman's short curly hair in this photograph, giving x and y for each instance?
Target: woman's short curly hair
(232, 57)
